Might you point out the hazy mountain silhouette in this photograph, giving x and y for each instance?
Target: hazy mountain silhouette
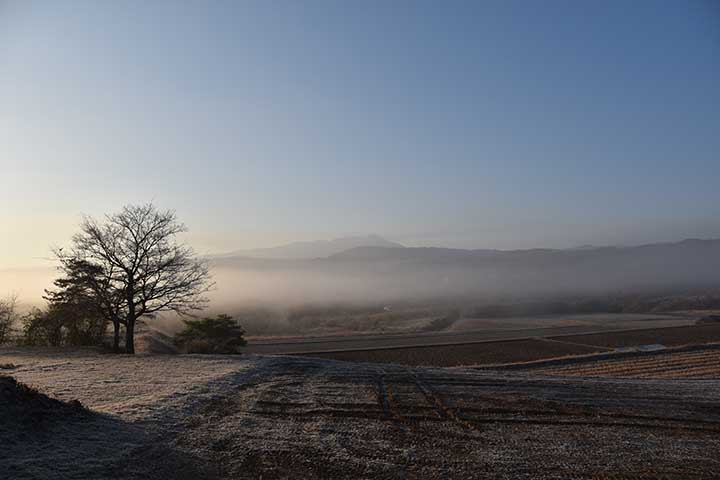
(379, 272)
(388, 273)
(312, 249)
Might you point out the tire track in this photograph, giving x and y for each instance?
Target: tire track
(442, 410)
(386, 399)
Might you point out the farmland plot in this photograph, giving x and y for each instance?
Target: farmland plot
(294, 417)
(667, 336)
(464, 354)
(698, 363)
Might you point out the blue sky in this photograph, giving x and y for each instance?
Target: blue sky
(463, 124)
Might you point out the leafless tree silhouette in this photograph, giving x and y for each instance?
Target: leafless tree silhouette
(136, 267)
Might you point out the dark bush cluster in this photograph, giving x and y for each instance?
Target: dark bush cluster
(63, 325)
(221, 334)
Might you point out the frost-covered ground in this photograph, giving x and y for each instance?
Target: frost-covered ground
(293, 417)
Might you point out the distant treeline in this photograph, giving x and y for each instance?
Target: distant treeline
(619, 304)
(441, 314)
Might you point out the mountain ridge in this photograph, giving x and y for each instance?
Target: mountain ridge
(311, 249)
(391, 273)
(369, 249)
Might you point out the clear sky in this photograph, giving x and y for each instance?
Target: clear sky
(465, 124)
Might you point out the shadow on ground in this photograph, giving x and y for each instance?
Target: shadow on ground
(43, 438)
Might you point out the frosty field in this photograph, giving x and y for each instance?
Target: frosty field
(251, 416)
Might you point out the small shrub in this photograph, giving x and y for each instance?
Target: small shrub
(221, 334)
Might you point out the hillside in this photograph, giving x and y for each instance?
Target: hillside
(390, 273)
(312, 249)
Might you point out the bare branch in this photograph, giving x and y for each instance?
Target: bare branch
(137, 266)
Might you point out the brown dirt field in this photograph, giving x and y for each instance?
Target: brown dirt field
(698, 363)
(671, 336)
(482, 330)
(611, 321)
(464, 354)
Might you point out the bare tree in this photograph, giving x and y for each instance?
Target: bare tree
(136, 267)
(7, 318)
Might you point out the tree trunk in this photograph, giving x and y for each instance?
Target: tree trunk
(130, 336)
(116, 336)
(131, 316)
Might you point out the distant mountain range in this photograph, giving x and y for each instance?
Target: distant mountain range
(312, 249)
(393, 271)
(372, 269)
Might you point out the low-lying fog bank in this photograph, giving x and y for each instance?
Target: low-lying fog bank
(381, 288)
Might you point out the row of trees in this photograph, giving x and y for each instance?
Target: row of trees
(61, 323)
(72, 319)
(127, 266)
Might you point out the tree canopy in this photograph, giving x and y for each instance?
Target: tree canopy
(133, 266)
